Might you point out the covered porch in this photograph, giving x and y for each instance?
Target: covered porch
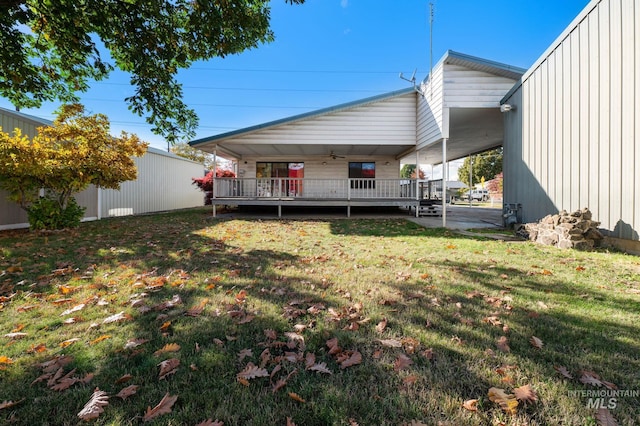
(348, 192)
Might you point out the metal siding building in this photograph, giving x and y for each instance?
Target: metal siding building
(572, 138)
(164, 183)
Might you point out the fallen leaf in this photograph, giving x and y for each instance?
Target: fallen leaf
(209, 422)
(134, 343)
(507, 402)
(470, 404)
(100, 339)
(15, 335)
(5, 360)
(605, 418)
(536, 342)
(252, 371)
(120, 316)
(390, 343)
(93, 408)
(127, 392)
(320, 367)
(402, 362)
(503, 344)
(563, 371)
(124, 378)
(332, 344)
(245, 353)
(382, 325)
(163, 407)
(354, 359)
(9, 404)
(73, 309)
(197, 310)
(168, 367)
(169, 347)
(525, 394)
(296, 397)
(68, 342)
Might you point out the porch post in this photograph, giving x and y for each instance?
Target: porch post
(445, 173)
(418, 195)
(213, 179)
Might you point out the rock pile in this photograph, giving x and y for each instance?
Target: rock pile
(565, 230)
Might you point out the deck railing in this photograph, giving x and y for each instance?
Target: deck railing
(297, 188)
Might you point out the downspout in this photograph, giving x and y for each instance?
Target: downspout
(417, 184)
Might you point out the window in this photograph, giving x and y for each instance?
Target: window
(362, 171)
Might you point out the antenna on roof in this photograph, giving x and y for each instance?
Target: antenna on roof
(431, 14)
(411, 80)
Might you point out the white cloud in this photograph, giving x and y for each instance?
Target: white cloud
(344, 3)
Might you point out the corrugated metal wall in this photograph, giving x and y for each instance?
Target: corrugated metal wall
(164, 183)
(574, 139)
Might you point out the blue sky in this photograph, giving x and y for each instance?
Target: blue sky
(329, 52)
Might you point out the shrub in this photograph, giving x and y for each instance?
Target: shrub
(206, 183)
(47, 213)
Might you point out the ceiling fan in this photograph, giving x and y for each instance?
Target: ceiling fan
(334, 156)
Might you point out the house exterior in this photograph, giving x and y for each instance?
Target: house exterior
(350, 154)
(163, 183)
(572, 136)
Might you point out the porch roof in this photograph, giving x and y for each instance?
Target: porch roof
(471, 125)
(226, 144)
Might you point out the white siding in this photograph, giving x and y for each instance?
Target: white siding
(430, 121)
(574, 138)
(164, 183)
(467, 88)
(390, 122)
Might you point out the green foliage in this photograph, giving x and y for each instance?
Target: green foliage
(485, 166)
(408, 171)
(47, 213)
(51, 50)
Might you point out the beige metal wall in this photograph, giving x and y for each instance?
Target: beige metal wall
(164, 183)
(573, 140)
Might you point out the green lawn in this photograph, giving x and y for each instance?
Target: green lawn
(311, 322)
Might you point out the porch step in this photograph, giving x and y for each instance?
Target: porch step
(430, 208)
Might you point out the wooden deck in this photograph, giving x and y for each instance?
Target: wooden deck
(282, 192)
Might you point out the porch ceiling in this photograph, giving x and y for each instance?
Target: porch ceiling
(237, 151)
(471, 130)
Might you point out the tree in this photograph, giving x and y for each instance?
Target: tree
(485, 166)
(187, 151)
(65, 159)
(408, 171)
(50, 50)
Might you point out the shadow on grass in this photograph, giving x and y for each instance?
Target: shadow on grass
(201, 258)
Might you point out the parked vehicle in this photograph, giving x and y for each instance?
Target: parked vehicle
(476, 195)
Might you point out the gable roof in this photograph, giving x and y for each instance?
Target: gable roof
(299, 117)
(480, 64)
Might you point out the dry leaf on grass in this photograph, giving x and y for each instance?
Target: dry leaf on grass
(525, 394)
(93, 408)
(470, 404)
(5, 360)
(252, 371)
(168, 367)
(127, 392)
(210, 422)
(507, 402)
(536, 342)
(320, 367)
(120, 316)
(9, 404)
(354, 359)
(296, 397)
(390, 343)
(503, 344)
(605, 418)
(163, 407)
(402, 362)
(381, 325)
(169, 347)
(563, 371)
